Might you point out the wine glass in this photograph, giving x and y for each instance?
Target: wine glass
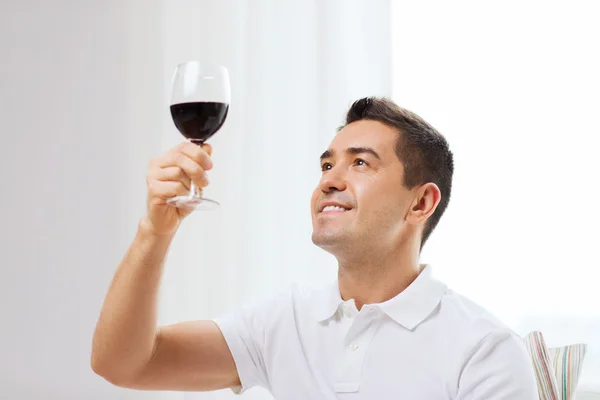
(199, 105)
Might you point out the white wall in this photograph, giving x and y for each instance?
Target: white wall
(79, 117)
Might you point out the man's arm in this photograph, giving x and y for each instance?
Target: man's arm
(189, 356)
(128, 348)
(498, 368)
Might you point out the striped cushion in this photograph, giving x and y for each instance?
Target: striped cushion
(557, 369)
(546, 379)
(566, 362)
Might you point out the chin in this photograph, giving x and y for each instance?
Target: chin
(321, 238)
(340, 248)
(328, 240)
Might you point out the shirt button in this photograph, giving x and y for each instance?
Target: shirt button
(353, 346)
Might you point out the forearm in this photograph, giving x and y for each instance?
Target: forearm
(125, 333)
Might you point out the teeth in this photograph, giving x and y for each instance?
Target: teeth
(333, 208)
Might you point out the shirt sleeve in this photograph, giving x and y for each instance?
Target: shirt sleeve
(244, 330)
(498, 368)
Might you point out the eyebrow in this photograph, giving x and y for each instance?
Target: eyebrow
(352, 150)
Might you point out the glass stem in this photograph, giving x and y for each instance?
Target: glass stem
(194, 191)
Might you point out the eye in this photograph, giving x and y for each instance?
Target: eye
(326, 166)
(360, 162)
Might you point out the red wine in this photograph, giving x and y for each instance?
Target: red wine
(198, 121)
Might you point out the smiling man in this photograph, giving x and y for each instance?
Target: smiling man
(386, 329)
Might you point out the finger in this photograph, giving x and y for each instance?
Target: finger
(207, 148)
(192, 169)
(172, 174)
(198, 154)
(166, 190)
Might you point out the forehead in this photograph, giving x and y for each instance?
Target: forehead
(365, 133)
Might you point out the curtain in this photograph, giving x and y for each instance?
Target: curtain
(295, 68)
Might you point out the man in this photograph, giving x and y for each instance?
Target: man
(386, 329)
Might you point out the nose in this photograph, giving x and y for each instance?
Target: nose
(333, 180)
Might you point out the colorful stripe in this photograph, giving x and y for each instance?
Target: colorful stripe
(544, 374)
(567, 362)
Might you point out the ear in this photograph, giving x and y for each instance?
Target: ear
(427, 198)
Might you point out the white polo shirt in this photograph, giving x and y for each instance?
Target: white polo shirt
(428, 342)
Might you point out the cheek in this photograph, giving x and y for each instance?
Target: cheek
(314, 199)
(371, 191)
(380, 198)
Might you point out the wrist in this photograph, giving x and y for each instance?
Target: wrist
(146, 228)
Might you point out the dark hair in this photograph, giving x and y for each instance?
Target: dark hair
(424, 152)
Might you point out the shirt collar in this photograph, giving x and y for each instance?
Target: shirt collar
(409, 308)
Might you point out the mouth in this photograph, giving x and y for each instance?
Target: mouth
(333, 208)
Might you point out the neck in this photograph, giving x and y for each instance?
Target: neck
(376, 276)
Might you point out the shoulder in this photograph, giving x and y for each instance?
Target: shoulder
(473, 327)
(467, 316)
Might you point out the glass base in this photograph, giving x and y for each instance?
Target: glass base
(193, 203)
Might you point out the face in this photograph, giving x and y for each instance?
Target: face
(361, 202)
